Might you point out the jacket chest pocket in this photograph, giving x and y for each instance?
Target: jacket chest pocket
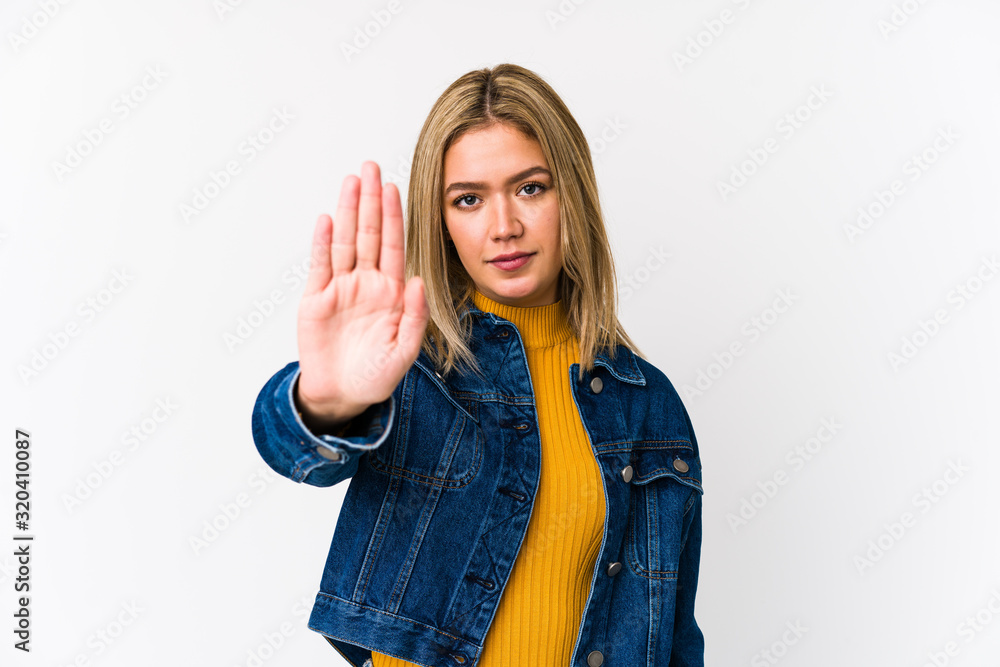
(665, 483)
(436, 443)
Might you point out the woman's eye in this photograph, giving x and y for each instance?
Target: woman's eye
(529, 190)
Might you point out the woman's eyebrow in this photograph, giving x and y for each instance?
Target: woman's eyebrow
(510, 181)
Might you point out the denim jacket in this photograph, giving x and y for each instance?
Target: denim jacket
(443, 480)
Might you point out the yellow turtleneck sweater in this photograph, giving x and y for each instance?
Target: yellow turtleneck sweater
(540, 610)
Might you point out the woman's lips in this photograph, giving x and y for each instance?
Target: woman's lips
(512, 264)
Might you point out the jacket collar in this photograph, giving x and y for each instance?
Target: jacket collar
(623, 366)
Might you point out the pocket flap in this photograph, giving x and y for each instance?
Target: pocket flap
(676, 460)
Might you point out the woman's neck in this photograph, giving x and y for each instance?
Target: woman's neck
(539, 326)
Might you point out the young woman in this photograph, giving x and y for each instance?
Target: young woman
(525, 486)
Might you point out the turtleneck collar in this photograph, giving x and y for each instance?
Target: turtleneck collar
(539, 326)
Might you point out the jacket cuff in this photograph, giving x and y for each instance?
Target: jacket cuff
(364, 432)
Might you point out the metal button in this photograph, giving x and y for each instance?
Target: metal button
(596, 385)
(627, 473)
(327, 453)
(614, 569)
(680, 465)
(595, 659)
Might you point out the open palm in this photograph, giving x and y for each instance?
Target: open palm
(359, 326)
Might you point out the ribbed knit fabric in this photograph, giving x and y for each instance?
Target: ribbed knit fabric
(540, 610)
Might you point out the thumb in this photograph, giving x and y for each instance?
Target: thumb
(416, 314)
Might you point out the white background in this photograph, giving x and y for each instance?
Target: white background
(672, 131)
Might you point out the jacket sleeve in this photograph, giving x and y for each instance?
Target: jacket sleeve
(689, 642)
(291, 450)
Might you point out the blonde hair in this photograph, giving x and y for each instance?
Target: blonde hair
(511, 95)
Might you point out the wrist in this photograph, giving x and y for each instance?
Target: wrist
(328, 420)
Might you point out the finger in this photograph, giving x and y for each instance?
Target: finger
(345, 226)
(320, 270)
(391, 258)
(369, 217)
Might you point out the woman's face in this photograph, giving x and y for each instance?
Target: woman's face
(498, 200)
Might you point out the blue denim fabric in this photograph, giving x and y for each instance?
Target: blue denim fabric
(443, 480)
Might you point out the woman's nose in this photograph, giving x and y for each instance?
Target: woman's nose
(504, 219)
